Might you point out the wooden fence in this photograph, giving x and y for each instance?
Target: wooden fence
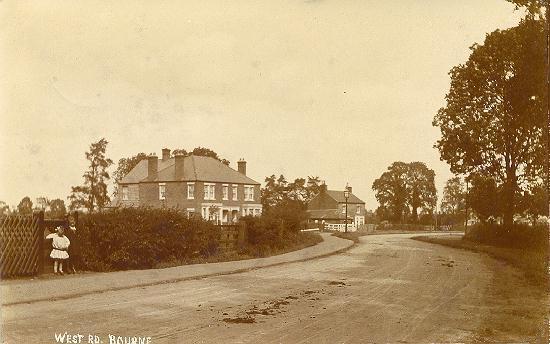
(21, 245)
(231, 237)
(22, 249)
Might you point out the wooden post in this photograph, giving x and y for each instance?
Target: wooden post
(40, 220)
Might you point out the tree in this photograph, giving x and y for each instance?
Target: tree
(483, 197)
(93, 194)
(57, 209)
(535, 203)
(391, 192)
(201, 151)
(493, 121)
(125, 165)
(278, 190)
(453, 203)
(4, 209)
(25, 206)
(420, 188)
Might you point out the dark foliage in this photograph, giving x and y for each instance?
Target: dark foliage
(516, 236)
(140, 238)
(277, 229)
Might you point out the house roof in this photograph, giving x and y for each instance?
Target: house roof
(338, 196)
(326, 214)
(195, 168)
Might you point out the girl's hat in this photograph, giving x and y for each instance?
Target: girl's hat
(58, 228)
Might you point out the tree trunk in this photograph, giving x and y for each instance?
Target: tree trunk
(509, 201)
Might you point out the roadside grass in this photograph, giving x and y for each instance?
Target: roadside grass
(307, 240)
(532, 261)
(353, 236)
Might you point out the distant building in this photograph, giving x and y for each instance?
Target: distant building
(329, 206)
(200, 185)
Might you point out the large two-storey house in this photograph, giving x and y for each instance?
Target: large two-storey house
(200, 185)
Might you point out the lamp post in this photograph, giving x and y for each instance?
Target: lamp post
(346, 196)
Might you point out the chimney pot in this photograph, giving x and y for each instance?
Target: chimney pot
(241, 166)
(152, 165)
(165, 154)
(179, 159)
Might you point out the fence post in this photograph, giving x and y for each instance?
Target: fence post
(40, 221)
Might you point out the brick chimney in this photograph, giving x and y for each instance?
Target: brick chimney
(349, 189)
(179, 166)
(152, 165)
(323, 188)
(165, 154)
(241, 166)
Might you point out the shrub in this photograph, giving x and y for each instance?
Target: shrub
(516, 236)
(277, 230)
(141, 238)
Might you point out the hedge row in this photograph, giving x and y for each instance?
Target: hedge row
(140, 238)
(516, 236)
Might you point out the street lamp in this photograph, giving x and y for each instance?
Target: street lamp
(346, 196)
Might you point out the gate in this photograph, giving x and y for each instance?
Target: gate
(22, 251)
(21, 244)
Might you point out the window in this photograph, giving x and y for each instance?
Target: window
(257, 212)
(190, 190)
(358, 209)
(248, 193)
(190, 212)
(209, 191)
(125, 196)
(234, 193)
(343, 209)
(225, 192)
(162, 191)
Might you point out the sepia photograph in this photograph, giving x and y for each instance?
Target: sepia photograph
(293, 171)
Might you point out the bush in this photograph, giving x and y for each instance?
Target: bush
(141, 238)
(517, 236)
(277, 230)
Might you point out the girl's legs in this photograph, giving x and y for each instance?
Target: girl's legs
(61, 266)
(55, 266)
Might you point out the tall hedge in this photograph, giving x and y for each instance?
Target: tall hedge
(140, 238)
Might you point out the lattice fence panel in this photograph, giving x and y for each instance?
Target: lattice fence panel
(20, 238)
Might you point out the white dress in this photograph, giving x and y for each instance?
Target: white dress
(60, 245)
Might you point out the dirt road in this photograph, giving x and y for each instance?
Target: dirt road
(388, 288)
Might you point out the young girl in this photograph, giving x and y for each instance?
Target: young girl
(59, 252)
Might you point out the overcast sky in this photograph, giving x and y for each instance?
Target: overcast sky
(337, 89)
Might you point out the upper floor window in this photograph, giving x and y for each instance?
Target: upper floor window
(209, 191)
(234, 192)
(225, 192)
(358, 209)
(248, 193)
(190, 191)
(162, 191)
(125, 195)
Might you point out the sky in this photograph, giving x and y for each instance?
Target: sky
(335, 89)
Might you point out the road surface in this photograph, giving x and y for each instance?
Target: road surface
(388, 288)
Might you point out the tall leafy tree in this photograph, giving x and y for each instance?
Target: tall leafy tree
(421, 191)
(278, 191)
(25, 206)
(93, 194)
(57, 209)
(534, 203)
(391, 192)
(494, 118)
(483, 197)
(404, 189)
(453, 203)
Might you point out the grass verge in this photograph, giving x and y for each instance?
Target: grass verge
(307, 240)
(532, 261)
